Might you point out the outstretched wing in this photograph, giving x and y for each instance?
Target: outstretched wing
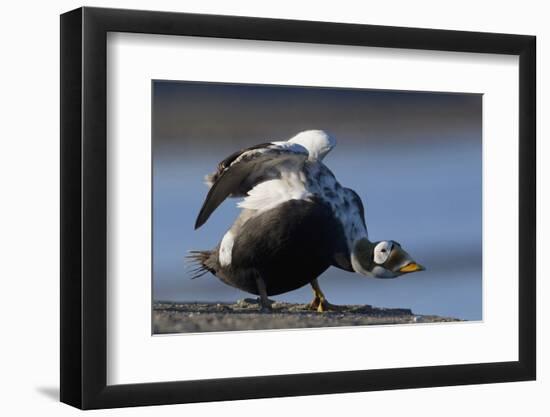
(240, 172)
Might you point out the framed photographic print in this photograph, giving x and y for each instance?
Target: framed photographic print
(258, 207)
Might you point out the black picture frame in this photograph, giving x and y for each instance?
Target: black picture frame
(84, 207)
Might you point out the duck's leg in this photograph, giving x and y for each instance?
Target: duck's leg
(265, 303)
(320, 302)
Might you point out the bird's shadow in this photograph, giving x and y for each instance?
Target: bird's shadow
(51, 392)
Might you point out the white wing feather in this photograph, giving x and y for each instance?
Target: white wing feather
(269, 194)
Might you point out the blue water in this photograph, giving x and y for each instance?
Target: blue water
(424, 194)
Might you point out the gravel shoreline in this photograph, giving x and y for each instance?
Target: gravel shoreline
(174, 317)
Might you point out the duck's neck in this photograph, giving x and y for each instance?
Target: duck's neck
(361, 256)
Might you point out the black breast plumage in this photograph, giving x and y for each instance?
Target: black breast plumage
(287, 246)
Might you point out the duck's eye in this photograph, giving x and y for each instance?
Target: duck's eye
(382, 252)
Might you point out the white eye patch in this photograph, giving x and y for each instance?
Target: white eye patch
(382, 251)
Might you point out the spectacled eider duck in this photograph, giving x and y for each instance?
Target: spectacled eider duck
(296, 222)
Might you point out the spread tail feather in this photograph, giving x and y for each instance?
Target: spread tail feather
(198, 261)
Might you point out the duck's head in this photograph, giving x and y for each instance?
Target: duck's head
(384, 259)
